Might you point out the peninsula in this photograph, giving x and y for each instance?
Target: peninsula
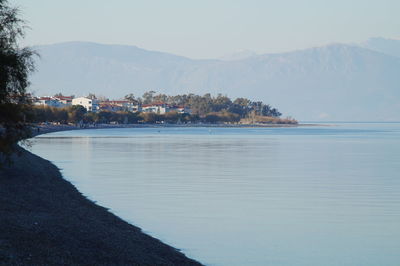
(153, 108)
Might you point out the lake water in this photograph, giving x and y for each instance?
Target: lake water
(318, 195)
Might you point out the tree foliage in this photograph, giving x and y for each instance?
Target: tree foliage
(203, 105)
(15, 65)
(77, 114)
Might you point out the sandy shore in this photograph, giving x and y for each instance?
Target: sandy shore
(45, 220)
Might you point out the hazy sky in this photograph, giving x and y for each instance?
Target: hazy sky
(210, 28)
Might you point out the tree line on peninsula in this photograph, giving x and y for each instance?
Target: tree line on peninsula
(203, 109)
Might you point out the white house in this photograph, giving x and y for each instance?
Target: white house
(181, 109)
(65, 100)
(126, 105)
(115, 106)
(91, 105)
(162, 108)
(159, 108)
(48, 101)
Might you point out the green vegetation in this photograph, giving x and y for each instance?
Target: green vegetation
(203, 109)
(77, 114)
(15, 65)
(206, 104)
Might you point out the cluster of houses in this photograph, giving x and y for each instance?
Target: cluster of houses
(95, 105)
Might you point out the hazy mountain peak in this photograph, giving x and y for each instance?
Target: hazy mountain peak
(105, 50)
(238, 55)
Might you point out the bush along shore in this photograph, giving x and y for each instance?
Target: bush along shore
(78, 115)
(45, 220)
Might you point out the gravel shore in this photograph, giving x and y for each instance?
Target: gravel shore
(45, 220)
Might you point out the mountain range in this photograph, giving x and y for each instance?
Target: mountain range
(336, 82)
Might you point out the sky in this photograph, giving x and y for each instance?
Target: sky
(210, 28)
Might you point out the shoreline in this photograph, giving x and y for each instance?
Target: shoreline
(45, 220)
(50, 128)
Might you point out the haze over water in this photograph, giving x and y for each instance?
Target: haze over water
(326, 195)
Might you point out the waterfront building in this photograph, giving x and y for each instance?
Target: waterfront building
(65, 100)
(91, 105)
(47, 101)
(159, 108)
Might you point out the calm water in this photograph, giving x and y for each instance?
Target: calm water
(327, 195)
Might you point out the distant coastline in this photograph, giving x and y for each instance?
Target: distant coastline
(40, 129)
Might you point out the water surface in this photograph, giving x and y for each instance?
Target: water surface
(326, 195)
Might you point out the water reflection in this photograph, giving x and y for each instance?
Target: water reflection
(285, 196)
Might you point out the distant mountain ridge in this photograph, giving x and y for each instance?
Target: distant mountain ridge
(333, 82)
(238, 55)
(386, 46)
